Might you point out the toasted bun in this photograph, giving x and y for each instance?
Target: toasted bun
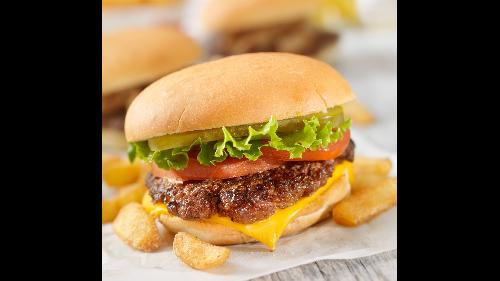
(219, 234)
(135, 57)
(237, 90)
(231, 16)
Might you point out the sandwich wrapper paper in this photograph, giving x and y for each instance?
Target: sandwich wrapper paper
(325, 240)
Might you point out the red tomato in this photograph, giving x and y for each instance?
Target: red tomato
(230, 168)
(233, 167)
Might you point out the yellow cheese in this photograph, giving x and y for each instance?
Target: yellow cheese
(269, 230)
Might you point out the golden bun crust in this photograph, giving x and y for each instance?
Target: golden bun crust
(232, 16)
(138, 56)
(219, 234)
(236, 90)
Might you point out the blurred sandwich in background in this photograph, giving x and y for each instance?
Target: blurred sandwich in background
(109, 3)
(131, 60)
(230, 27)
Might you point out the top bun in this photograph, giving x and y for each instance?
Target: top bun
(232, 16)
(134, 57)
(236, 90)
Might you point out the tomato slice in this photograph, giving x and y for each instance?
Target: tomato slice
(332, 151)
(230, 168)
(233, 167)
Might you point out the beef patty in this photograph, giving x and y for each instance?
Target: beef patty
(245, 199)
(294, 37)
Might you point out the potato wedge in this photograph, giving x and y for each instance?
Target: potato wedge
(197, 253)
(365, 204)
(110, 209)
(358, 113)
(364, 181)
(137, 228)
(121, 173)
(368, 172)
(369, 165)
(108, 159)
(132, 193)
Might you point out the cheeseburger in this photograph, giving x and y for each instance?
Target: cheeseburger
(236, 27)
(246, 148)
(132, 59)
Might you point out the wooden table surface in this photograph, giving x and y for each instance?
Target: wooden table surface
(377, 267)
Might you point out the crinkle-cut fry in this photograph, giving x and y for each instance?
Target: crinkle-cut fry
(197, 253)
(137, 228)
(365, 204)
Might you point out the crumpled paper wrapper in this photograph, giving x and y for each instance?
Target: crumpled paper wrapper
(325, 240)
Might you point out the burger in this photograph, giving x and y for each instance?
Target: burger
(131, 60)
(121, 3)
(245, 148)
(237, 27)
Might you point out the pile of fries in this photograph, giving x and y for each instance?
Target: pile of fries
(127, 178)
(372, 192)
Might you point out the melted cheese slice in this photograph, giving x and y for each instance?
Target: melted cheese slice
(269, 230)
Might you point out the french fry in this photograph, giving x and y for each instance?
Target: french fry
(137, 228)
(366, 181)
(358, 113)
(368, 172)
(108, 159)
(129, 178)
(121, 173)
(110, 209)
(131, 193)
(197, 253)
(368, 165)
(365, 204)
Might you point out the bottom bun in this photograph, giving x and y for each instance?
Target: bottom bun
(219, 234)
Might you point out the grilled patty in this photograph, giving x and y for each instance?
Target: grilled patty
(245, 199)
(296, 37)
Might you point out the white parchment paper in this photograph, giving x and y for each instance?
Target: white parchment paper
(322, 241)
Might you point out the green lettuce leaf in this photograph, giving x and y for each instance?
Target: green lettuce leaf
(313, 136)
(207, 155)
(176, 158)
(131, 152)
(253, 153)
(139, 149)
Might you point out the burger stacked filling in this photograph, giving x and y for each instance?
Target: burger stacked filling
(245, 173)
(245, 199)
